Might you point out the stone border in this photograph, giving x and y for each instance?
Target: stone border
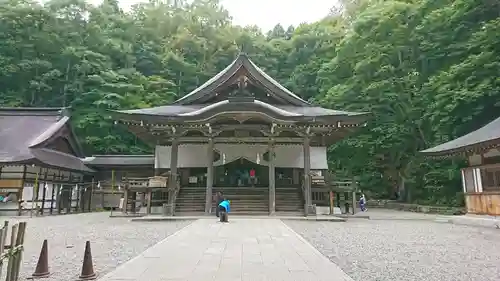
(311, 218)
(416, 208)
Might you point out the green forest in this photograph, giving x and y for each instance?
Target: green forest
(428, 71)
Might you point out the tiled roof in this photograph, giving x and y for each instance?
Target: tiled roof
(484, 137)
(23, 130)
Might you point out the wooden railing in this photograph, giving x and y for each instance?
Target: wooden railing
(12, 253)
(321, 188)
(150, 185)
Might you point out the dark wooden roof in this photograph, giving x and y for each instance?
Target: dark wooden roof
(241, 62)
(481, 139)
(25, 133)
(201, 104)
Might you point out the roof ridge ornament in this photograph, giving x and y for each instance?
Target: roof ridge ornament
(241, 94)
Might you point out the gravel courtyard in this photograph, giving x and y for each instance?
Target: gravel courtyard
(406, 250)
(113, 242)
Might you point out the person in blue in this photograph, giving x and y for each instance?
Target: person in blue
(224, 208)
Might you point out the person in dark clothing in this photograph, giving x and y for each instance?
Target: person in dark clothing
(219, 197)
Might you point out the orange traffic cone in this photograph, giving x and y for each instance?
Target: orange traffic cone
(42, 266)
(87, 267)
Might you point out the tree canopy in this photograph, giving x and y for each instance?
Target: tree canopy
(427, 70)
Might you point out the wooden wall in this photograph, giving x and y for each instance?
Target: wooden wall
(485, 203)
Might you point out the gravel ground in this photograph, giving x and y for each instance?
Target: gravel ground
(113, 242)
(406, 250)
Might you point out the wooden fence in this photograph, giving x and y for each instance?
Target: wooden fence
(11, 254)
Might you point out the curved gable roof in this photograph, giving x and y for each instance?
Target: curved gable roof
(242, 61)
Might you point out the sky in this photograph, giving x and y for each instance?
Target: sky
(267, 13)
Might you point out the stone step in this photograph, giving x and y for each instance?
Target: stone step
(180, 206)
(289, 208)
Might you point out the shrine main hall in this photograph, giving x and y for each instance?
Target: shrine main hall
(244, 134)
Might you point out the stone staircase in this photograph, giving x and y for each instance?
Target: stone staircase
(190, 201)
(246, 200)
(289, 201)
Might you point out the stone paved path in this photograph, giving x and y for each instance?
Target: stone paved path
(243, 249)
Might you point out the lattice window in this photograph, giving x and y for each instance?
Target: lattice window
(491, 179)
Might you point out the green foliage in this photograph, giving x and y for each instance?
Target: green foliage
(427, 70)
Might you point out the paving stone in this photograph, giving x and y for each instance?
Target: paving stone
(244, 249)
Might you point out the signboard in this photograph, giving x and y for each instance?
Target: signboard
(11, 184)
(193, 180)
(7, 190)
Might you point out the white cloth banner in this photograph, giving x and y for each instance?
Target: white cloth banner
(195, 155)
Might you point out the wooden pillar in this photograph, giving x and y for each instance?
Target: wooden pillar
(148, 200)
(77, 206)
(174, 155)
(307, 176)
(44, 190)
(125, 200)
(21, 192)
(272, 179)
(83, 193)
(210, 176)
(91, 193)
(59, 192)
(52, 193)
(69, 194)
(36, 191)
(332, 206)
(353, 202)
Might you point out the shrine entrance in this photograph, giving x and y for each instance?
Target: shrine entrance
(238, 173)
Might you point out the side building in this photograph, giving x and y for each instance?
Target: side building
(481, 180)
(41, 169)
(241, 133)
(112, 174)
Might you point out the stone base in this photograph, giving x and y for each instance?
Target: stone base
(310, 210)
(322, 210)
(168, 210)
(326, 211)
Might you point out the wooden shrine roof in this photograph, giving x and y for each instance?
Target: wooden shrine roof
(274, 100)
(241, 62)
(481, 139)
(26, 132)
